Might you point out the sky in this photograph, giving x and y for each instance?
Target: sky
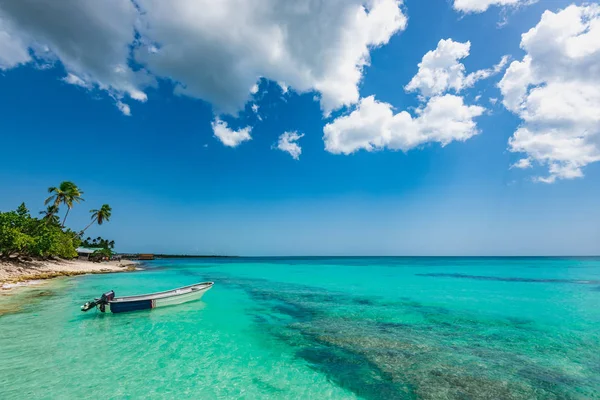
(346, 127)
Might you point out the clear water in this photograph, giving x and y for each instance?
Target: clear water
(299, 328)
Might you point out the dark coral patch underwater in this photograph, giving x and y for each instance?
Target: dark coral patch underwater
(404, 349)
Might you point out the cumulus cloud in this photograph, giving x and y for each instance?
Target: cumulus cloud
(440, 70)
(373, 125)
(217, 52)
(555, 90)
(229, 137)
(93, 42)
(441, 118)
(479, 6)
(211, 50)
(288, 142)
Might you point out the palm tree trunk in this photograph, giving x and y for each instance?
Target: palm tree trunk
(85, 229)
(65, 219)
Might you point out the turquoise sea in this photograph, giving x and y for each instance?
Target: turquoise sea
(315, 328)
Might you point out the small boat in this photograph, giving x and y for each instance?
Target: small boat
(108, 301)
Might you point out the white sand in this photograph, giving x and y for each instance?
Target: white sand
(19, 274)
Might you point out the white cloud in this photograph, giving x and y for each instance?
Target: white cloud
(523, 163)
(441, 118)
(288, 142)
(284, 87)
(479, 6)
(555, 90)
(228, 136)
(255, 107)
(211, 50)
(440, 70)
(124, 108)
(215, 51)
(90, 38)
(373, 125)
(254, 89)
(73, 79)
(13, 50)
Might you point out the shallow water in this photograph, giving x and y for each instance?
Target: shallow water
(372, 328)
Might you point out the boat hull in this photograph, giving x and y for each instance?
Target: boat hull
(136, 303)
(130, 306)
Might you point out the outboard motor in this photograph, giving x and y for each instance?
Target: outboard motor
(100, 303)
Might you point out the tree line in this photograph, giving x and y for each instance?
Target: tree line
(24, 236)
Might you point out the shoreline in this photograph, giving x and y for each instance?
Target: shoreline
(14, 275)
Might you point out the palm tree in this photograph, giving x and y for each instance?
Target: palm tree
(67, 193)
(100, 216)
(49, 215)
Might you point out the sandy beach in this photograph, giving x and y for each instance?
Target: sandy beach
(21, 274)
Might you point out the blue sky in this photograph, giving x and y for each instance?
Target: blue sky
(175, 187)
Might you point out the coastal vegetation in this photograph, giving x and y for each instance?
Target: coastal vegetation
(103, 247)
(98, 242)
(99, 216)
(24, 237)
(67, 193)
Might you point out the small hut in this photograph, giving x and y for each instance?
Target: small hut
(84, 253)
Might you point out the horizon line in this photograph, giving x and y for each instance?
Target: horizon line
(166, 255)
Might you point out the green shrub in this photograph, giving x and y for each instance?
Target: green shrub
(102, 253)
(23, 235)
(12, 241)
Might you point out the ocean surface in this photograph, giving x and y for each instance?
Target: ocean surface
(315, 328)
